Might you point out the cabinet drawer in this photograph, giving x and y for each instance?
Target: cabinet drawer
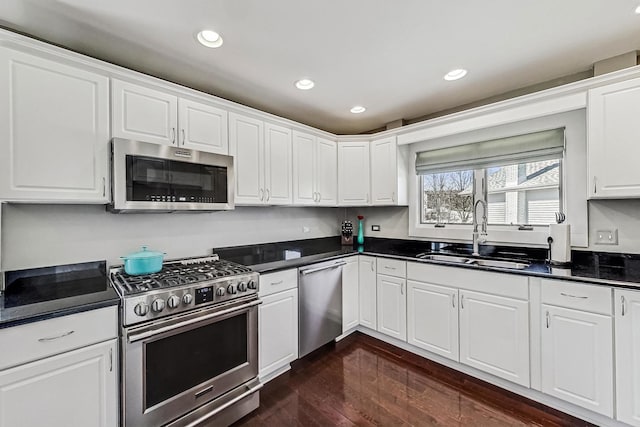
(37, 340)
(596, 299)
(271, 283)
(392, 267)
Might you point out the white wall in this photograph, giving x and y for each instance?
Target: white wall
(41, 235)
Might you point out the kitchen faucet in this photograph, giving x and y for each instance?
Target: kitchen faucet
(479, 237)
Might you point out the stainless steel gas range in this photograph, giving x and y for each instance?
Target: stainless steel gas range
(189, 343)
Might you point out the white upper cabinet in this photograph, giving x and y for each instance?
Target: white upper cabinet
(263, 162)
(54, 131)
(151, 115)
(278, 165)
(202, 127)
(613, 148)
(388, 172)
(353, 174)
(315, 170)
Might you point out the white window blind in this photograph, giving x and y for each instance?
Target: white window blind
(512, 150)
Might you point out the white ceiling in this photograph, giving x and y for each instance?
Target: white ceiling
(389, 56)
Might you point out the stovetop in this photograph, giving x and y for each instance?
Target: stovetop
(177, 273)
(182, 285)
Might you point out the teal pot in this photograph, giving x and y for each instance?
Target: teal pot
(143, 262)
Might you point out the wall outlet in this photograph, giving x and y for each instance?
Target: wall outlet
(305, 229)
(607, 237)
(375, 228)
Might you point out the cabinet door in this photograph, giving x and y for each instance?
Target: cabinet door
(143, 114)
(392, 306)
(304, 155)
(367, 292)
(613, 149)
(246, 144)
(202, 127)
(278, 166)
(327, 172)
(577, 358)
(278, 331)
(432, 318)
(627, 308)
(353, 174)
(384, 171)
(78, 388)
(54, 131)
(350, 294)
(494, 335)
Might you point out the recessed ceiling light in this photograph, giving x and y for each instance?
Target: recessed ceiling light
(455, 74)
(358, 109)
(209, 38)
(305, 84)
(638, 10)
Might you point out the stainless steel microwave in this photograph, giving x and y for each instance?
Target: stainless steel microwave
(149, 177)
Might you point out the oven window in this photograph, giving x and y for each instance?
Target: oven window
(184, 360)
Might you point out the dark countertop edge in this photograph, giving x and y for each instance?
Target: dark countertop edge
(30, 318)
(273, 267)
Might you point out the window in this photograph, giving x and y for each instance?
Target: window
(518, 177)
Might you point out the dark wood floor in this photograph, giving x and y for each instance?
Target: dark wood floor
(366, 382)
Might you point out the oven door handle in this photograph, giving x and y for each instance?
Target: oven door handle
(250, 391)
(143, 335)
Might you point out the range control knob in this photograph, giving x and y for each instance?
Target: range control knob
(220, 292)
(187, 298)
(141, 309)
(242, 287)
(231, 289)
(173, 301)
(157, 305)
(252, 284)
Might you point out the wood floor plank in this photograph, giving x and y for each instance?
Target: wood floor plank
(362, 381)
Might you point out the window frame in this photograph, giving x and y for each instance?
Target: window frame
(573, 191)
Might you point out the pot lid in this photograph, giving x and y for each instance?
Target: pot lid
(144, 253)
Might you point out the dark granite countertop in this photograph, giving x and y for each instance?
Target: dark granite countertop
(621, 270)
(43, 293)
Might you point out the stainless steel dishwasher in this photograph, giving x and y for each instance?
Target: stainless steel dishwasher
(319, 305)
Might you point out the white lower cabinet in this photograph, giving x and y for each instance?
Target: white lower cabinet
(78, 388)
(577, 358)
(494, 335)
(367, 291)
(277, 322)
(432, 318)
(627, 331)
(350, 303)
(392, 306)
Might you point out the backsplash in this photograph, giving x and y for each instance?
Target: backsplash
(42, 235)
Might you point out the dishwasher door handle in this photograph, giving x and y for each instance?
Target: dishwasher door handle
(314, 270)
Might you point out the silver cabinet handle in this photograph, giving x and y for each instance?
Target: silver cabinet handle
(183, 137)
(595, 188)
(261, 194)
(319, 197)
(393, 196)
(104, 186)
(110, 360)
(548, 319)
(453, 300)
(173, 135)
(277, 283)
(372, 269)
(574, 296)
(401, 288)
(268, 193)
(367, 197)
(57, 337)
(462, 301)
(623, 303)
(389, 268)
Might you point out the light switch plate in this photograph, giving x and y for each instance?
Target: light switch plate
(607, 237)
(375, 228)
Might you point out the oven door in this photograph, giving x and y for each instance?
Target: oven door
(173, 366)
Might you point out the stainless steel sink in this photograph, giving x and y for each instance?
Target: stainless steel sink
(513, 265)
(500, 264)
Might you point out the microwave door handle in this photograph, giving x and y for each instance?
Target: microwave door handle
(150, 333)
